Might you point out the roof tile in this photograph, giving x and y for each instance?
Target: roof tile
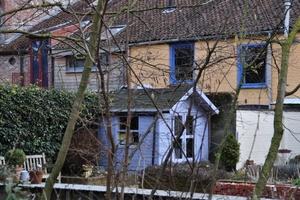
(191, 20)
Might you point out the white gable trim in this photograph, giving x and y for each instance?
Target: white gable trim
(212, 107)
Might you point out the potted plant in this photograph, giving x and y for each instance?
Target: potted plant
(36, 175)
(15, 158)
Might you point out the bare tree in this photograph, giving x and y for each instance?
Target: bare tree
(149, 66)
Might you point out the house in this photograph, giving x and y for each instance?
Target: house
(176, 43)
(158, 116)
(25, 18)
(51, 62)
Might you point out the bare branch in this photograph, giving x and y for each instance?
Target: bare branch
(293, 91)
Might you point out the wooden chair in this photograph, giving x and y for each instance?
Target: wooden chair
(33, 161)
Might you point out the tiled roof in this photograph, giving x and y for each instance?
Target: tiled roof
(190, 20)
(163, 99)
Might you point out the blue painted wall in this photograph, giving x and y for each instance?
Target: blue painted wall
(143, 156)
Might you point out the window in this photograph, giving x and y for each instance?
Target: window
(104, 61)
(170, 9)
(189, 125)
(252, 58)
(178, 125)
(113, 30)
(39, 73)
(182, 63)
(77, 64)
(185, 144)
(134, 130)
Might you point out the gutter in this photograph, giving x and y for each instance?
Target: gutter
(198, 38)
(12, 52)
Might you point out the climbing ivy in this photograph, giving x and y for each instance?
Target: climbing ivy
(34, 119)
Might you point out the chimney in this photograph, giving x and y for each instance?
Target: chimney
(287, 5)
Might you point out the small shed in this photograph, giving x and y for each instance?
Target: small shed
(158, 116)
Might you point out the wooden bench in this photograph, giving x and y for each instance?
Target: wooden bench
(33, 161)
(2, 160)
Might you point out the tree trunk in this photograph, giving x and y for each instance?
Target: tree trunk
(277, 124)
(99, 12)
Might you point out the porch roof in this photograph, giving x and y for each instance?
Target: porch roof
(162, 99)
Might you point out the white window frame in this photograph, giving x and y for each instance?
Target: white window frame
(135, 132)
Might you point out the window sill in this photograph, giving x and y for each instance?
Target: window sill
(132, 146)
(79, 72)
(182, 83)
(254, 86)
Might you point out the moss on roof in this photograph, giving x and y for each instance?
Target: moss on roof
(146, 100)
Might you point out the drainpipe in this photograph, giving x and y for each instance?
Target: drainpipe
(269, 72)
(287, 5)
(153, 144)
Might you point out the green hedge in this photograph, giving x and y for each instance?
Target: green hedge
(34, 119)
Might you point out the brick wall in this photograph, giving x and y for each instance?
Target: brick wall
(283, 192)
(23, 20)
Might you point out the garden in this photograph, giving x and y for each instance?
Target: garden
(33, 122)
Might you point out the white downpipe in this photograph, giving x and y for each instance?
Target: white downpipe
(287, 5)
(269, 72)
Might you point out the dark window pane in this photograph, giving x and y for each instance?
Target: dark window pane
(178, 151)
(135, 137)
(178, 125)
(189, 125)
(190, 148)
(134, 123)
(122, 123)
(255, 58)
(184, 59)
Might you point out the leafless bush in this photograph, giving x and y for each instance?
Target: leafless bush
(84, 149)
(281, 173)
(178, 176)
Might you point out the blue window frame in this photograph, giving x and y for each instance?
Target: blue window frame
(253, 59)
(182, 63)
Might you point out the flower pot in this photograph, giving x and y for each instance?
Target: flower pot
(284, 151)
(36, 176)
(249, 162)
(17, 171)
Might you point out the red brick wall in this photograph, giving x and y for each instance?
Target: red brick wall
(24, 19)
(283, 192)
(21, 20)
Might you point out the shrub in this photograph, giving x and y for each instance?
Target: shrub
(240, 174)
(297, 181)
(15, 157)
(34, 119)
(231, 153)
(295, 160)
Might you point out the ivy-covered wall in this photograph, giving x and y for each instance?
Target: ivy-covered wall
(34, 119)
